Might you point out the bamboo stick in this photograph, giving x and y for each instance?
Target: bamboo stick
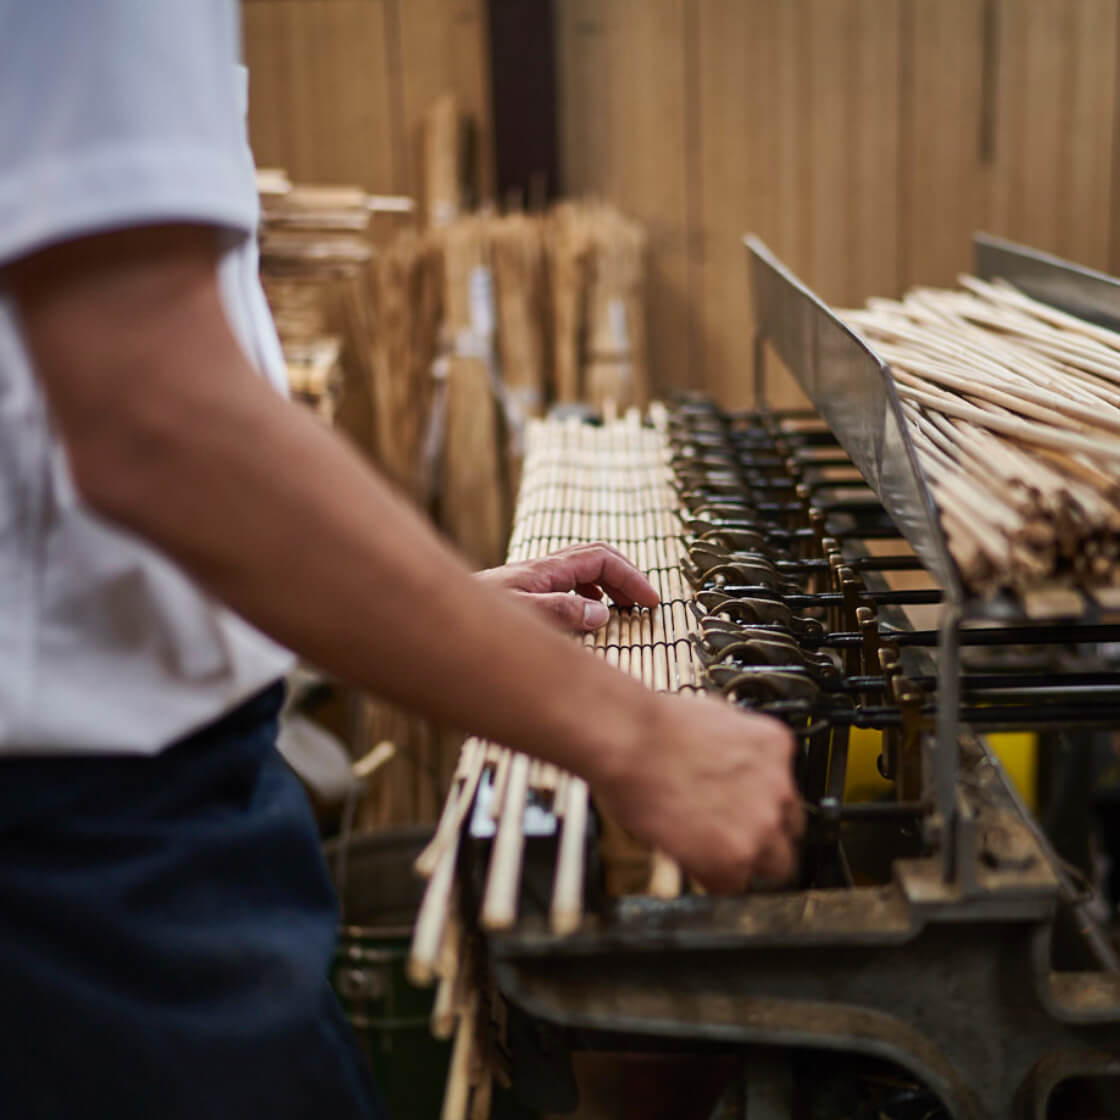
(566, 910)
(456, 1095)
(449, 990)
(499, 903)
(431, 919)
(472, 763)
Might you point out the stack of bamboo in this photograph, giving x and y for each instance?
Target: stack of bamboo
(1014, 411)
(315, 262)
(517, 250)
(472, 494)
(318, 267)
(581, 484)
(444, 171)
(408, 296)
(597, 269)
(501, 369)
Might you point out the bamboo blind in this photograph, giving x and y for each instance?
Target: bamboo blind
(582, 483)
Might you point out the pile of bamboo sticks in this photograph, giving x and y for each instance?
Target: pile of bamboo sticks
(581, 484)
(1014, 411)
(316, 256)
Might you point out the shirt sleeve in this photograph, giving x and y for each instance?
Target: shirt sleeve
(118, 113)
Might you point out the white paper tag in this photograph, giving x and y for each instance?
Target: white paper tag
(443, 213)
(616, 325)
(481, 294)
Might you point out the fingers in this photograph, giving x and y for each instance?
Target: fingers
(603, 566)
(773, 860)
(571, 612)
(589, 569)
(777, 860)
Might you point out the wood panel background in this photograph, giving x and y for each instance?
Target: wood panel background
(337, 88)
(864, 140)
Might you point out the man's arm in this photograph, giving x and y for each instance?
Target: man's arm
(171, 434)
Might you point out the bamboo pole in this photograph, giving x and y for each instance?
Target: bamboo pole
(431, 919)
(499, 904)
(456, 1097)
(566, 910)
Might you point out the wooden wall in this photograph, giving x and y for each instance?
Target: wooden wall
(864, 140)
(338, 87)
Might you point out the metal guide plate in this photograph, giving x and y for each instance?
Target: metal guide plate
(1089, 295)
(851, 388)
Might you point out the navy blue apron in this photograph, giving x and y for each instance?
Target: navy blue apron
(166, 928)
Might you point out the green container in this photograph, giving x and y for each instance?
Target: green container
(379, 895)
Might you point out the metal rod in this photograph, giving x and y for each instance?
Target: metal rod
(946, 759)
(1066, 634)
(906, 598)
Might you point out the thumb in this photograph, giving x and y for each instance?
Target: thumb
(573, 612)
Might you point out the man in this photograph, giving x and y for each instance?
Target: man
(165, 924)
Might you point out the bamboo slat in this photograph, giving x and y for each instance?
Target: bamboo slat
(581, 484)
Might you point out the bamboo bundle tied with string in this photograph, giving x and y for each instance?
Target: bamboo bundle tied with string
(597, 275)
(408, 304)
(517, 251)
(1014, 411)
(568, 240)
(472, 490)
(315, 261)
(442, 172)
(616, 361)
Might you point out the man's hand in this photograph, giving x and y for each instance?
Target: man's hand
(714, 789)
(587, 570)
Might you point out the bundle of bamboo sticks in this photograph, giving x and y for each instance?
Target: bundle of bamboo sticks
(1014, 411)
(472, 493)
(407, 311)
(443, 171)
(597, 269)
(315, 266)
(517, 250)
(581, 484)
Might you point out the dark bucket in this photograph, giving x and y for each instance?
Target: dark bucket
(379, 895)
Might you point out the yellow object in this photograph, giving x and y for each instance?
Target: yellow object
(864, 782)
(1017, 751)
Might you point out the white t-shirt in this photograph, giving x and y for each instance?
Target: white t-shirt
(114, 113)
